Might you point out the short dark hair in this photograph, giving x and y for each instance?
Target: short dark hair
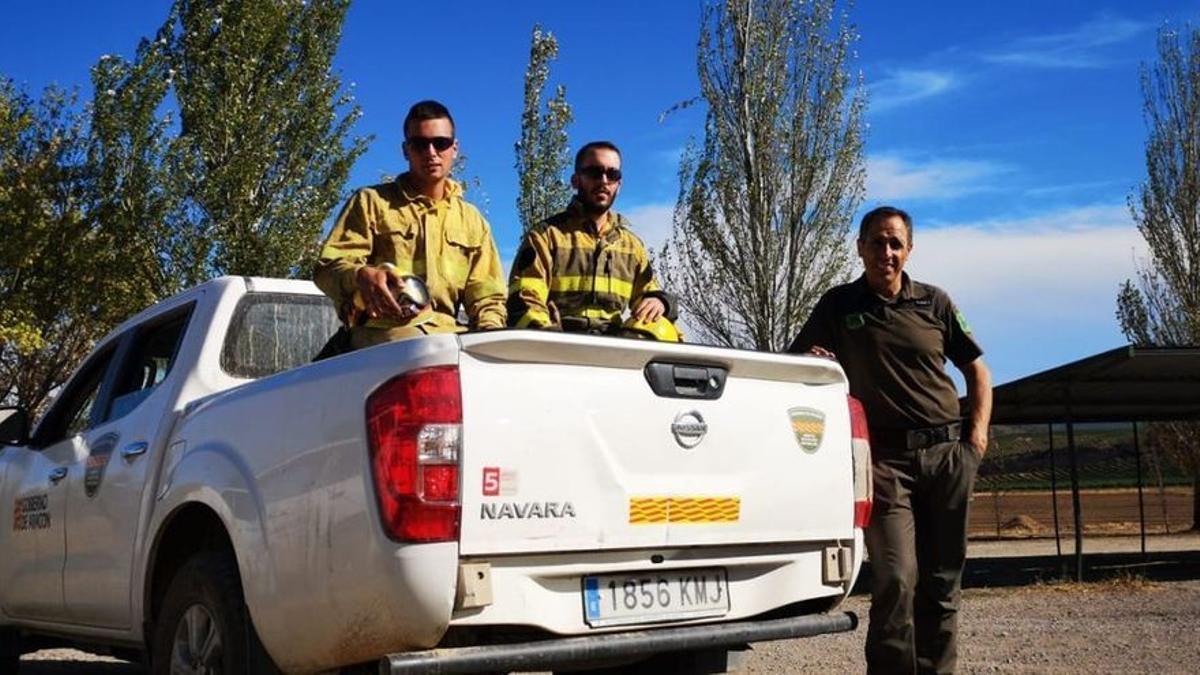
(427, 110)
(883, 213)
(594, 145)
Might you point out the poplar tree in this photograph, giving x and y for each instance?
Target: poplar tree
(543, 154)
(765, 200)
(1163, 306)
(264, 145)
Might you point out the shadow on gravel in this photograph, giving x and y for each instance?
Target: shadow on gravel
(1026, 570)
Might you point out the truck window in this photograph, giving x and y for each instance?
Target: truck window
(273, 332)
(148, 361)
(72, 412)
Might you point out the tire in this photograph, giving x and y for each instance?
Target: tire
(204, 626)
(10, 651)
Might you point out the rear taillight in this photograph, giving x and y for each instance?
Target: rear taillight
(414, 429)
(860, 448)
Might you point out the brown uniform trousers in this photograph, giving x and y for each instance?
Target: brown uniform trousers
(919, 522)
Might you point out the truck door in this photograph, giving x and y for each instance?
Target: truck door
(105, 495)
(34, 546)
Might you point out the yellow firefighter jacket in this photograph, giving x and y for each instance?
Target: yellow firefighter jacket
(446, 243)
(590, 279)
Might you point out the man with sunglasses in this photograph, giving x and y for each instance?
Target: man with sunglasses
(417, 225)
(579, 270)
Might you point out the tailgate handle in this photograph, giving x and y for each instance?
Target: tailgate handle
(685, 380)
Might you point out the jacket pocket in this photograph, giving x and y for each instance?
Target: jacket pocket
(396, 242)
(462, 247)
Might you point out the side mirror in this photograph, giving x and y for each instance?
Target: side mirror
(14, 426)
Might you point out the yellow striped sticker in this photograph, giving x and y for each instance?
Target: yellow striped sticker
(684, 510)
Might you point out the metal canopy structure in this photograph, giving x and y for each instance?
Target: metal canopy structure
(1127, 384)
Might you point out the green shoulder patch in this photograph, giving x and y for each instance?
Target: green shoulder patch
(855, 321)
(962, 322)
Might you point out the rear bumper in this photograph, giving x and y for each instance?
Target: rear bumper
(555, 652)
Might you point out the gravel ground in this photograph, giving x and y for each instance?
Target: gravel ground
(1126, 626)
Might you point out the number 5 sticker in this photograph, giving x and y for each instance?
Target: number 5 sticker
(491, 481)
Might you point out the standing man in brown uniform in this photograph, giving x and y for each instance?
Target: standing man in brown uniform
(892, 336)
(420, 225)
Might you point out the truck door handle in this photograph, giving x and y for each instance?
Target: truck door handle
(58, 474)
(134, 450)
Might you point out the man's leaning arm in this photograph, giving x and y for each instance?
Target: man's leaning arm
(979, 398)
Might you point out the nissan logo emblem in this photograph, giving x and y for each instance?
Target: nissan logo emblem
(689, 428)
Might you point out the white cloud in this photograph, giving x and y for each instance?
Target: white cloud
(652, 223)
(905, 86)
(1082, 47)
(890, 177)
(1039, 291)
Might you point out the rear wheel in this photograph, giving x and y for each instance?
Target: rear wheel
(10, 651)
(204, 627)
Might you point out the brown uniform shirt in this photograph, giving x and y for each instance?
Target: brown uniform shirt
(894, 351)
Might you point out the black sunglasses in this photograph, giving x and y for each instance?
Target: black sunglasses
(422, 143)
(595, 172)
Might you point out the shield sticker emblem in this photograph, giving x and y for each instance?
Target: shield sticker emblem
(97, 462)
(808, 424)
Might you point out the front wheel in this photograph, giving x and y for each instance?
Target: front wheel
(204, 628)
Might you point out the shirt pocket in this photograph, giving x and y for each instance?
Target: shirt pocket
(462, 247)
(396, 243)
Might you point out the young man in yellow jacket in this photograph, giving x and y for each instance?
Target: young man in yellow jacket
(417, 225)
(579, 270)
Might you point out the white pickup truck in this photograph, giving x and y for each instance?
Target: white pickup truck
(203, 496)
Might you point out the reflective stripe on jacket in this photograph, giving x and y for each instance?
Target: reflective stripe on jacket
(591, 280)
(447, 243)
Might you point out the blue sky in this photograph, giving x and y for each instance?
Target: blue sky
(1011, 131)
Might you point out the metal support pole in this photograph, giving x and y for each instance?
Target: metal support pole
(1075, 500)
(1137, 451)
(1054, 499)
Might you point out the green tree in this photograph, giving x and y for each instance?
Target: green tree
(1163, 306)
(264, 146)
(543, 154)
(761, 223)
(45, 274)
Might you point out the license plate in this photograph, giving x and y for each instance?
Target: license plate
(647, 597)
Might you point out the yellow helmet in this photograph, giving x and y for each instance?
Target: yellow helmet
(660, 329)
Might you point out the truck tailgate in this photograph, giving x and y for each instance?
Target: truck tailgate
(566, 446)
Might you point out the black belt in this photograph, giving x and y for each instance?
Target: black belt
(915, 439)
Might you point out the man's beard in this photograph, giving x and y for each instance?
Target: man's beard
(592, 208)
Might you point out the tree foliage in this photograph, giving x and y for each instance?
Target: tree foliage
(263, 153)
(765, 201)
(1163, 306)
(107, 209)
(45, 267)
(543, 154)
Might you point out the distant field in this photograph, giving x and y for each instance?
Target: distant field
(1031, 513)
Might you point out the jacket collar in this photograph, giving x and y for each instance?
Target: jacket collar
(410, 193)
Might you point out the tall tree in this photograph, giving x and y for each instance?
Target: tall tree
(765, 202)
(45, 271)
(543, 154)
(1163, 306)
(265, 145)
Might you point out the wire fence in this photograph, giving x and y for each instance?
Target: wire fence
(1126, 485)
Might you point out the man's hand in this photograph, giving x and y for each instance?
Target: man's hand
(373, 287)
(979, 442)
(818, 350)
(649, 309)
